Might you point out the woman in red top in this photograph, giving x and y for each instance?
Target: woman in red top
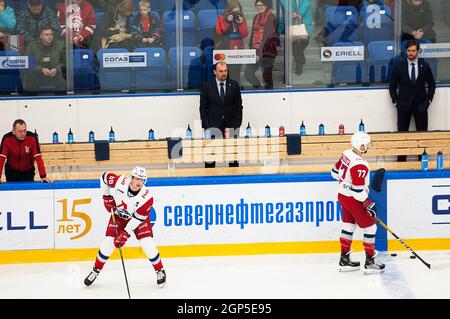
(21, 148)
(232, 28)
(264, 39)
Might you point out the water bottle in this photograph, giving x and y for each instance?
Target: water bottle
(207, 134)
(91, 137)
(439, 161)
(227, 132)
(267, 131)
(341, 129)
(112, 135)
(302, 129)
(362, 127)
(151, 135)
(189, 132)
(248, 131)
(281, 131)
(55, 138)
(70, 136)
(321, 129)
(424, 160)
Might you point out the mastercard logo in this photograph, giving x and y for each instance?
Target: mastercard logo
(219, 56)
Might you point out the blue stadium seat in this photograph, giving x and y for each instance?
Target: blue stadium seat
(207, 20)
(152, 77)
(347, 72)
(115, 79)
(382, 32)
(166, 5)
(341, 25)
(84, 69)
(198, 5)
(192, 67)
(169, 27)
(98, 16)
(380, 60)
(10, 81)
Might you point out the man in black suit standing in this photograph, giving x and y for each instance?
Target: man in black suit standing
(411, 75)
(221, 105)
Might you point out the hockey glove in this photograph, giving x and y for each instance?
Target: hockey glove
(121, 239)
(109, 202)
(370, 207)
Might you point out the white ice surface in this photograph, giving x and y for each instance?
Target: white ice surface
(262, 276)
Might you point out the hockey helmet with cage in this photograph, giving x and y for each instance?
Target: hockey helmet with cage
(361, 138)
(139, 172)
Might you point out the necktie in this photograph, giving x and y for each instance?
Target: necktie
(222, 92)
(413, 73)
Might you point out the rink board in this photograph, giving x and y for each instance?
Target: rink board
(207, 216)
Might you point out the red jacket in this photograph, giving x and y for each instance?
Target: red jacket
(233, 32)
(83, 19)
(21, 154)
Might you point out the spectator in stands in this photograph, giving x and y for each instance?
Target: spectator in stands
(411, 75)
(231, 29)
(50, 56)
(417, 21)
(20, 149)
(81, 22)
(221, 105)
(7, 19)
(114, 28)
(146, 28)
(31, 19)
(301, 13)
(264, 39)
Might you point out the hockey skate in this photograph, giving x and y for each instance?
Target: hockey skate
(161, 278)
(91, 277)
(345, 264)
(372, 267)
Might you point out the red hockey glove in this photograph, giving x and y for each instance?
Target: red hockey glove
(109, 202)
(121, 239)
(370, 207)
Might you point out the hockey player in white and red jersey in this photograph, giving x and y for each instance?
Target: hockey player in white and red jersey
(353, 174)
(131, 203)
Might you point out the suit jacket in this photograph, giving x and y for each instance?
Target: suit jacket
(213, 111)
(412, 96)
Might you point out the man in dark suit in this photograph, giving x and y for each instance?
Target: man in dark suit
(411, 75)
(221, 105)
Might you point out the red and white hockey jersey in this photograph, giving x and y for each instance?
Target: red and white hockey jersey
(136, 206)
(353, 174)
(81, 19)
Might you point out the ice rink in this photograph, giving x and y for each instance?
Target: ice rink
(262, 276)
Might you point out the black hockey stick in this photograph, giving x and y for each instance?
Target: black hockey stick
(376, 185)
(121, 256)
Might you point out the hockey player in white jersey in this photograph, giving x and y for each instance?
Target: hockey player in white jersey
(131, 203)
(353, 174)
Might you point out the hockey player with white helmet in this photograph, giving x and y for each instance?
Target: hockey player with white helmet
(353, 174)
(131, 203)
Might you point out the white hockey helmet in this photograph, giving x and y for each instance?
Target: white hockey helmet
(361, 138)
(139, 172)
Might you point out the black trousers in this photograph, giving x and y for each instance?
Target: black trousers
(403, 120)
(230, 164)
(16, 176)
(298, 51)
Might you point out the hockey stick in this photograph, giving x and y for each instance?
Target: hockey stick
(121, 256)
(402, 242)
(376, 185)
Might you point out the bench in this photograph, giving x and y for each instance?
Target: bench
(256, 155)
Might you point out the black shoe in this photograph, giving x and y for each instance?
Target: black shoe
(299, 69)
(91, 277)
(372, 267)
(210, 164)
(345, 264)
(161, 278)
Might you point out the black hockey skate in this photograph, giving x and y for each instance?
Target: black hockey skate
(91, 277)
(161, 278)
(372, 267)
(345, 264)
